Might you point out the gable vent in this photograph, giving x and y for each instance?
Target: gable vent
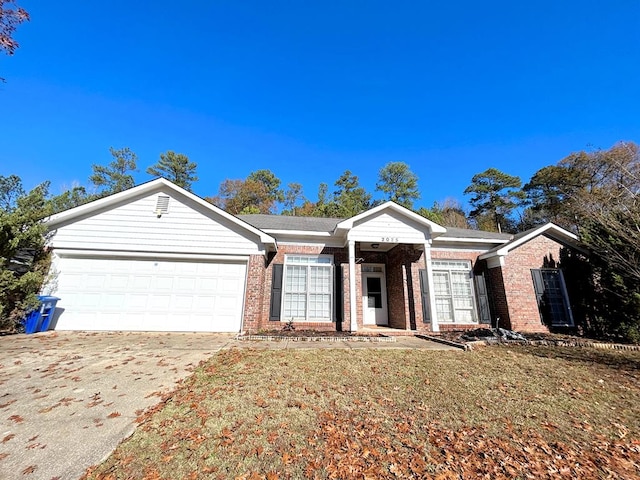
(162, 205)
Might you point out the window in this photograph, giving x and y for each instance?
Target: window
(453, 291)
(551, 294)
(308, 288)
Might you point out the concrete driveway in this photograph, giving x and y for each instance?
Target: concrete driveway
(68, 398)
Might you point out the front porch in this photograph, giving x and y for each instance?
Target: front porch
(387, 288)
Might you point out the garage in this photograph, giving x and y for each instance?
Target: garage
(150, 294)
(154, 258)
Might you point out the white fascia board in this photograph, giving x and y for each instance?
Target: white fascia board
(297, 233)
(434, 227)
(471, 240)
(63, 253)
(147, 188)
(553, 230)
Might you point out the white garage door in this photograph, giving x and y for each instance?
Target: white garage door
(150, 295)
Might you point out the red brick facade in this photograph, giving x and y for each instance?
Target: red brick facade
(519, 294)
(510, 288)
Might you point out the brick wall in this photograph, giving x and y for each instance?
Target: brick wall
(253, 305)
(396, 289)
(540, 252)
(497, 298)
(402, 265)
(259, 299)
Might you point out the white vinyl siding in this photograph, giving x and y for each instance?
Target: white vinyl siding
(388, 227)
(138, 226)
(453, 291)
(308, 288)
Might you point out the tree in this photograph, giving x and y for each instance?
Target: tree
(292, 196)
(257, 194)
(10, 18)
(550, 192)
(398, 183)
(24, 261)
(448, 213)
(241, 197)
(349, 198)
(271, 184)
(431, 214)
(10, 190)
(496, 195)
(609, 206)
(176, 168)
(116, 176)
(70, 199)
(596, 193)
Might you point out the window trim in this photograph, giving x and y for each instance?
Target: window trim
(448, 266)
(289, 261)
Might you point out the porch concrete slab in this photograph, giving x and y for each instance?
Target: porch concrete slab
(68, 398)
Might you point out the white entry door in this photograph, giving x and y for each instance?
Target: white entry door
(374, 298)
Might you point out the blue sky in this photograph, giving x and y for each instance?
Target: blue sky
(310, 89)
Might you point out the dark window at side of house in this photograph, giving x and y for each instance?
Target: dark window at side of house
(551, 295)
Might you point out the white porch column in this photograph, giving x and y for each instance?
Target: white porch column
(435, 327)
(353, 311)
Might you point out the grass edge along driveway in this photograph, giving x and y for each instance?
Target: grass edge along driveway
(524, 412)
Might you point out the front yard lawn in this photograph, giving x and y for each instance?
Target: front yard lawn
(499, 412)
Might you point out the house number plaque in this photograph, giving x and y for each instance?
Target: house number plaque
(389, 239)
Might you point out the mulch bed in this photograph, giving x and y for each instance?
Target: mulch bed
(315, 334)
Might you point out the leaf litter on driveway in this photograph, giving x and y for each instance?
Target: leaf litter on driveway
(58, 387)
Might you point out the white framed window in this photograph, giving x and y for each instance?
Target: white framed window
(453, 290)
(308, 288)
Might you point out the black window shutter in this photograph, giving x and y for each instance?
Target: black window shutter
(424, 291)
(276, 292)
(538, 284)
(483, 299)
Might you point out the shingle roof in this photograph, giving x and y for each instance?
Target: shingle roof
(318, 224)
(546, 229)
(468, 233)
(286, 222)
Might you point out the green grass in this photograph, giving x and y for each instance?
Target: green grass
(526, 412)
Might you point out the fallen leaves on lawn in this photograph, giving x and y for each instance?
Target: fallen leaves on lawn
(30, 469)
(248, 415)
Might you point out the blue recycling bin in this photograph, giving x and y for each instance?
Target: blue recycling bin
(40, 319)
(48, 309)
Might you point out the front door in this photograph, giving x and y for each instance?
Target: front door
(374, 297)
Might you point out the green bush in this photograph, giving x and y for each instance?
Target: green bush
(24, 261)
